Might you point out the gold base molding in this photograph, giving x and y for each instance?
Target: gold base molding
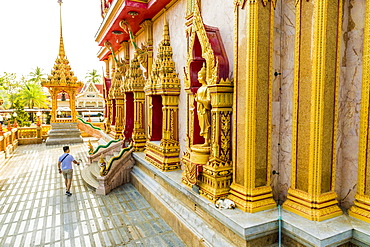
(361, 209)
(258, 200)
(193, 163)
(190, 174)
(118, 135)
(139, 142)
(316, 208)
(214, 182)
(112, 132)
(164, 157)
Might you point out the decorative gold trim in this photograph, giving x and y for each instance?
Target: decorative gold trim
(361, 207)
(247, 195)
(315, 204)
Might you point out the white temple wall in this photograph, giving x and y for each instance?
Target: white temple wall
(350, 101)
(220, 14)
(284, 43)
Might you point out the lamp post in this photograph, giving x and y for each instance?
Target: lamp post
(39, 122)
(15, 124)
(8, 116)
(1, 125)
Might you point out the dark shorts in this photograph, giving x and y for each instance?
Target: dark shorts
(67, 173)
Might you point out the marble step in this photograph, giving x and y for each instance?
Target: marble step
(95, 169)
(64, 131)
(65, 141)
(64, 126)
(88, 178)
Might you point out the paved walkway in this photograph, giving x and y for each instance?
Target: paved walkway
(35, 212)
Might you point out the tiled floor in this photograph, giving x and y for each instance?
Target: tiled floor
(35, 212)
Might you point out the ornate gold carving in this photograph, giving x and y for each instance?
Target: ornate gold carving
(164, 81)
(134, 82)
(134, 77)
(145, 53)
(225, 135)
(209, 164)
(207, 51)
(119, 69)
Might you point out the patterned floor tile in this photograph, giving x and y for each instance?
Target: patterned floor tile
(35, 212)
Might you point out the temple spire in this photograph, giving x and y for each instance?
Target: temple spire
(61, 44)
(62, 74)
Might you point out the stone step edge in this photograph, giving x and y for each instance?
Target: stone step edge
(88, 181)
(189, 219)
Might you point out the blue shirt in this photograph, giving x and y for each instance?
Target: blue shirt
(67, 162)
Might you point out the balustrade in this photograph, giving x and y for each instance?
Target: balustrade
(8, 142)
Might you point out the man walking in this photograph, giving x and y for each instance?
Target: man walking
(66, 161)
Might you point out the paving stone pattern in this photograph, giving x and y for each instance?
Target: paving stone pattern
(35, 212)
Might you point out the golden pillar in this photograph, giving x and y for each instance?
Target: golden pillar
(107, 74)
(108, 119)
(170, 116)
(317, 56)
(361, 208)
(54, 104)
(138, 135)
(147, 25)
(112, 98)
(119, 97)
(251, 188)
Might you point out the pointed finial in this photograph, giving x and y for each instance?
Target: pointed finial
(166, 31)
(61, 44)
(202, 71)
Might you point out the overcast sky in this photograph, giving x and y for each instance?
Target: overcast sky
(29, 35)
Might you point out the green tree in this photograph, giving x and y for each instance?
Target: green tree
(22, 116)
(93, 76)
(37, 76)
(33, 95)
(10, 88)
